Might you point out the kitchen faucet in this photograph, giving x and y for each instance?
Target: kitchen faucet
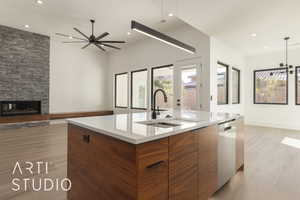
(154, 114)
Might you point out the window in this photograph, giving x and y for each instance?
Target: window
(222, 81)
(189, 88)
(298, 85)
(236, 86)
(121, 90)
(162, 77)
(271, 86)
(139, 89)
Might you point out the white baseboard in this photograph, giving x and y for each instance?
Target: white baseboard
(273, 125)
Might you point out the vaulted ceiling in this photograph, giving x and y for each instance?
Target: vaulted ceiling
(232, 21)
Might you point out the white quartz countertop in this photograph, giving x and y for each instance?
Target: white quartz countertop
(127, 127)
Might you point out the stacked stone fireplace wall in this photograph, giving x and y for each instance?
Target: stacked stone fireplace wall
(24, 66)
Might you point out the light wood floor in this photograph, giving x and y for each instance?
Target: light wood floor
(272, 169)
(47, 144)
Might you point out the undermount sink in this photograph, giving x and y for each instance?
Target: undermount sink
(161, 124)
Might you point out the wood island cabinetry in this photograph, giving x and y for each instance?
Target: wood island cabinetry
(178, 167)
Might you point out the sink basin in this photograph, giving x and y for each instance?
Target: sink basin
(161, 124)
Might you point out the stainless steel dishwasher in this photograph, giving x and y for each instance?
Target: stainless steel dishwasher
(226, 152)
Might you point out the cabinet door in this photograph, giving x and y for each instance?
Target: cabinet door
(183, 166)
(100, 167)
(153, 170)
(78, 164)
(240, 143)
(207, 161)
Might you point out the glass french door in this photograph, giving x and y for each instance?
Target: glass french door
(187, 87)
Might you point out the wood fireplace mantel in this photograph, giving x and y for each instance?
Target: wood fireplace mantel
(29, 118)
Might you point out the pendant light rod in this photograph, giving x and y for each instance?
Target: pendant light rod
(92, 21)
(162, 12)
(286, 50)
(162, 9)
(161, 37)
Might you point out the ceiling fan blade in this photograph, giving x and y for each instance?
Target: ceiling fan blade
(81, 33)
(99, 47)
(69, 36)
(61, 34)
(102, 36)
(86, 45)
(74, 41)
(107, 41)
(107, 45)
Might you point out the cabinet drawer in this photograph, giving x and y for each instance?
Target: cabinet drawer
(153, 170)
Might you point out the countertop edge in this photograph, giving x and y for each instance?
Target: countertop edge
(151, 138)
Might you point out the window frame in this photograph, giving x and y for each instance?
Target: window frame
(131, 93)
(287, 86)
(296, 86)
(152, 69)
(239, 86)
(116, 90)
(227, 83)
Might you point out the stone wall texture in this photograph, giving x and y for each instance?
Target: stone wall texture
(24, 66)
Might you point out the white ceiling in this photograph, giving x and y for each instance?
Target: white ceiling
(113, 16)
(232, 21)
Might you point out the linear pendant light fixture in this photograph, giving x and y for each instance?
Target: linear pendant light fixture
(161, 37)
(286, 64)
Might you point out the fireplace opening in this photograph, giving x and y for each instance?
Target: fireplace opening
(14, 108)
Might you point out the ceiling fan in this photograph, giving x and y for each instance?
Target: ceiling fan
(92, 39)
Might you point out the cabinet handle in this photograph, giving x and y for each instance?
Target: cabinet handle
(86, 138)
(155, 165)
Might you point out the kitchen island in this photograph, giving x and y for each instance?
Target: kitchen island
(131, 157)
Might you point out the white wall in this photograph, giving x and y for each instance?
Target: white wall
(78, 78)
(152, 53)
(280, 116)
(222, 53)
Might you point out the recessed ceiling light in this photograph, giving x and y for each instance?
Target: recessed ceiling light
(70, 37)
(27, 26)
(171, 15)
(253, 34)
(39, 2)
(128, 33)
